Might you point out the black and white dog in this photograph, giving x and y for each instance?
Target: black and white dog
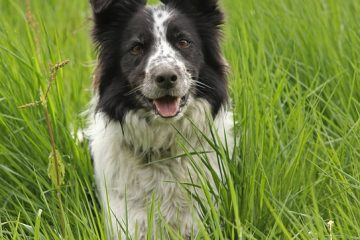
(160, 71)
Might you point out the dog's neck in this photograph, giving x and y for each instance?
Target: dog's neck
(158, 139)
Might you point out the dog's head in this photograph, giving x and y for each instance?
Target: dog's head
(157, 58)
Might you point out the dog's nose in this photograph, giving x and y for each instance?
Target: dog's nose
(166, 79)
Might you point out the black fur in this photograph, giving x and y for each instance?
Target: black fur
(118, 24)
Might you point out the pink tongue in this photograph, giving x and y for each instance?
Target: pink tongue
(167, 106)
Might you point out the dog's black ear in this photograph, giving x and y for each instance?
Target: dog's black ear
(111, 15)
(207, 10)
(100, 5)
(204, 6)
(111, 7)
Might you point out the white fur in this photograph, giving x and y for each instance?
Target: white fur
(130, 169)
(163, 50)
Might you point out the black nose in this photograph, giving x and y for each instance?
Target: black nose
(166, 79)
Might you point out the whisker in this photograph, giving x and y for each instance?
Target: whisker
(201, 84)
(132, 91)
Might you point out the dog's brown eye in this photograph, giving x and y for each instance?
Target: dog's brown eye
(183, 43)
(137, 50)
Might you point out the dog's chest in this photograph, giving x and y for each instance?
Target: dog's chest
(143, 181)
(160, 182)
(145, 163)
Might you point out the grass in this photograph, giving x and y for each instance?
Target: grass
(295, 86)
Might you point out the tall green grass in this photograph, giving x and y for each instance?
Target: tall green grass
(295, 87)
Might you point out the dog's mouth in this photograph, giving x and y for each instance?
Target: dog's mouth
(169, 106)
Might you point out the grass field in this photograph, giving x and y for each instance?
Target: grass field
(295, 87)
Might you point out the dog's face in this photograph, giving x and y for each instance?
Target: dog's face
(161, 56)
(156, 58)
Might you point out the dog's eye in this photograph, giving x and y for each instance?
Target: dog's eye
(183, 43)
(137, 49)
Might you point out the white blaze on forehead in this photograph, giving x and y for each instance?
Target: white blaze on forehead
(163, 51)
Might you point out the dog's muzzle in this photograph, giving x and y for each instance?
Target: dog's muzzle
(167, 89)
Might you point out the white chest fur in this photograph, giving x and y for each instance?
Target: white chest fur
(136, 163)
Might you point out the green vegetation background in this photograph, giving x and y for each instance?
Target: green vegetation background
(295, 86)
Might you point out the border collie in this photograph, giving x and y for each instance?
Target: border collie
(160, 79)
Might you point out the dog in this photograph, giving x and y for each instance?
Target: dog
(161, 77)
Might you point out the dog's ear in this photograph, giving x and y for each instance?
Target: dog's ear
(204, 6)
(111, 15)
(106, 7)
(207, 10)
(193, 4)
(100, 5)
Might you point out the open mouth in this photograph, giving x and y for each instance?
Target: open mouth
(169, 106)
